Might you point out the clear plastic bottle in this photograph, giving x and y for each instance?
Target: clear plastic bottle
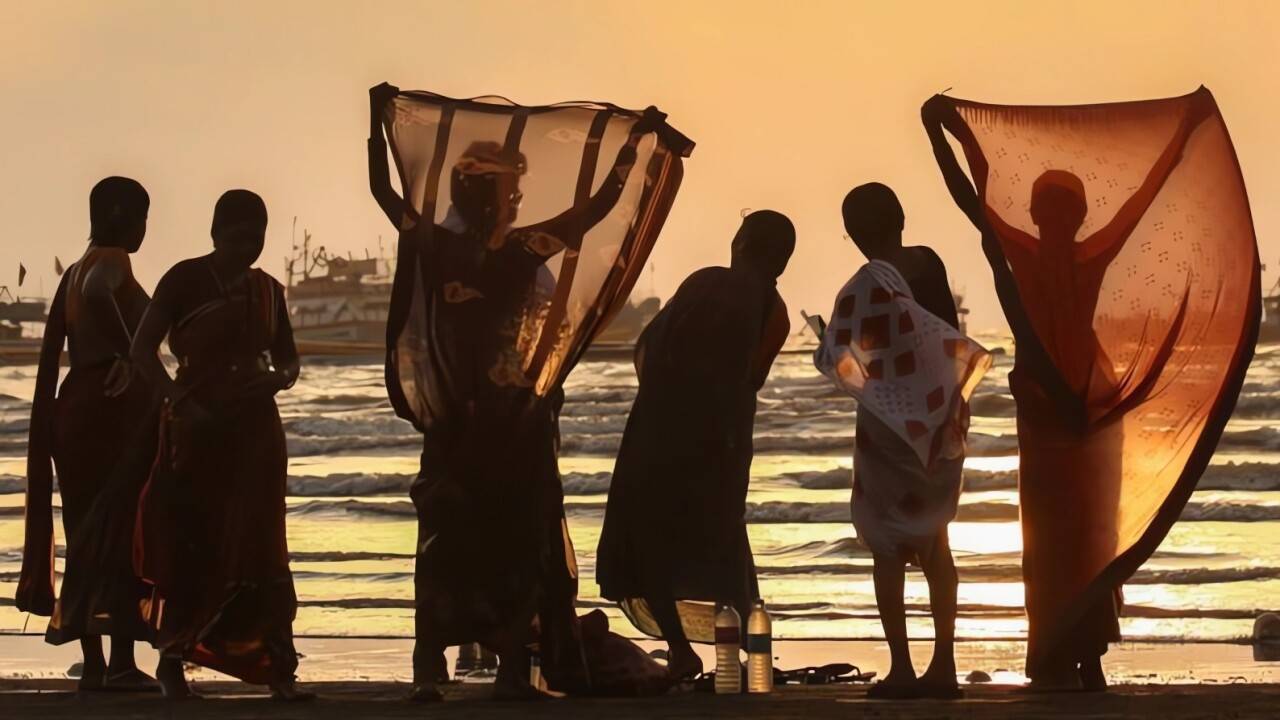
(759, 650)
(728, 641)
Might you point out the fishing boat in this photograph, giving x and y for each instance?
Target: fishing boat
(338, 306)
(19, 322)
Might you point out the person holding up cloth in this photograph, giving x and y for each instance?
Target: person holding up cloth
(894, 345)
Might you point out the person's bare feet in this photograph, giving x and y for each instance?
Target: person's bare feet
(129, 679)
(939, 682)
(173, 681)
(424, 692)
(897, 685)
(1092, 677)
(288, 691)
(683, 664)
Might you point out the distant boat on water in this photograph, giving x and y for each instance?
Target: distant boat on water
(338, 306)
(19, 342)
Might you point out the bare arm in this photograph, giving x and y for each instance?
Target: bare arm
(99, 288)
(1106, 243)
(284, 354)
(160, 316)
(569, 226)
(379, 172)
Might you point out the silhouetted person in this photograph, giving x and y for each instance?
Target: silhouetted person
(100, 413)
(211, 526)
(675, 526)
(493, 550)
(894, 344)
(1071, 445)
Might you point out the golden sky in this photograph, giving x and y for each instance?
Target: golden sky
(791, 104)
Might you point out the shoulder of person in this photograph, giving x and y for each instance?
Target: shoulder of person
(109, 269)
(265, 277)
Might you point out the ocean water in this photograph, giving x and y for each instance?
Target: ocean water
(351, 528)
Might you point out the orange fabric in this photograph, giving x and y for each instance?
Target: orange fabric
(1128, 232)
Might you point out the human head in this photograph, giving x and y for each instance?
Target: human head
(764, 243)
(1058, 205)
(873, 218)
(239, 227)
(118, 213)
(485, 185)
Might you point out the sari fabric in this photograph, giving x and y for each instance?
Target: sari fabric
(912, 374)
(686, 453)
(101, 448)
(1149, 313)
(211, 527)
(483, 328)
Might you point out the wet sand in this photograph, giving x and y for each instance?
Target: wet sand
(57, 699)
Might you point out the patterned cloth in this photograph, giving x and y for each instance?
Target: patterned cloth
(903, 364)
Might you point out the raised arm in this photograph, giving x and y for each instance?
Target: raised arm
(569, 226)
(1106, 243)
(937, 112)
(379, 172)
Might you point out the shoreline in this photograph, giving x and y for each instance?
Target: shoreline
(28, 657)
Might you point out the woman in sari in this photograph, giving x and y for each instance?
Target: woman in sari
(675, 527)
(98, 433)
(495, 564)
(1070, 401)
(211, 525)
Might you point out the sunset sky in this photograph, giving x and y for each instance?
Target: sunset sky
(791, 104)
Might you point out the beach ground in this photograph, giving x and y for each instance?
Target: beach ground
(57, 699)
(366, 678)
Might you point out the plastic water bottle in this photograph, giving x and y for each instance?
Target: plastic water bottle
(728, 640)
(535, 670)
(759, 650)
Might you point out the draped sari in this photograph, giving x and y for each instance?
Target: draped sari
(102, 449)
(211, 526)
(1149, 314)
(483, 330)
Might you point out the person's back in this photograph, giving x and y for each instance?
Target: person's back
(686, 452)
(893, 344)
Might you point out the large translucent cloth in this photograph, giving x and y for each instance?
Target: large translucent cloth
(1150, 315)
(567, 153)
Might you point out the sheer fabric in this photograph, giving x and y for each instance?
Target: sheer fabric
(565, 155)
(1149, 310)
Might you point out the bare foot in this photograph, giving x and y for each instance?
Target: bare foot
(683, 664)
(129, 680)
(939, 683)
(897, 685)
(424, 692)
(173, 681)
(288, 691)
(92, 679)
(1092, 678)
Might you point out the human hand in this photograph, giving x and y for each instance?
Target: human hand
(264, 384)
(381, 94)
(651, 119)
(937, 109)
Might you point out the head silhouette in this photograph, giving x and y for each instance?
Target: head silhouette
(764, 243)
(873, 218)
(118, 213)
(1058, 205)
(485, 185)
(239, 228)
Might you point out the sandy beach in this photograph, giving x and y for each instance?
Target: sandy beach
(368, 678)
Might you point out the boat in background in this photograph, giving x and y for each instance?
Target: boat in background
(19, 339)
(338, 306)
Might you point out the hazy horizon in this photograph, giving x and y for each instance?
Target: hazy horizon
(789, 107)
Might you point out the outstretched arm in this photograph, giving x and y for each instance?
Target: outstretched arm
(145, 351)
(1106, 243)
(379, 172)
(569, 226)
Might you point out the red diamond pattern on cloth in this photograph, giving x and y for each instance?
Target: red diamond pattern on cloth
(905, 324)
(953, 346)
(846, 307)
(875, 370)
(880, 295)
(904, 364)
(875, 332)
(935, 398)
(916, 429)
